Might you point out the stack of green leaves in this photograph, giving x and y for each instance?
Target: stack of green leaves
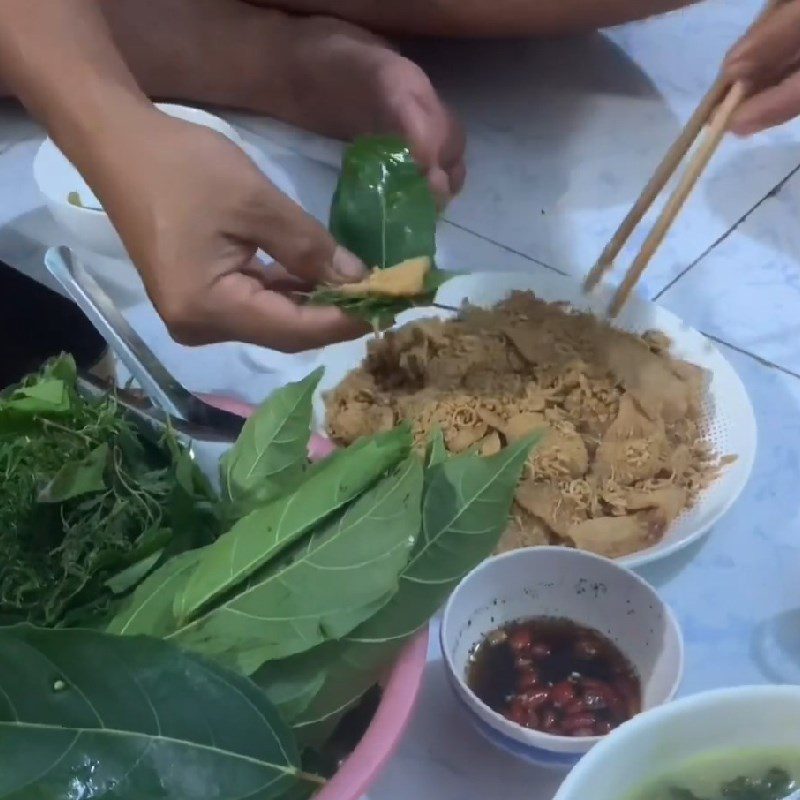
(332, 568)
(87, 506)
(384, 212)
(231, 658)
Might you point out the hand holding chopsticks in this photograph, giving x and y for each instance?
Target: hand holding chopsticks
(715, 111)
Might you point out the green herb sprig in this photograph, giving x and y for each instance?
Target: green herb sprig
(84, 500)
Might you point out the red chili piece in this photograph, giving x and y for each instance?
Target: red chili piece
(563, 694)
(520, 641)
(528, 680)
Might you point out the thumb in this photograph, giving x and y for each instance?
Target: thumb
(291, 236)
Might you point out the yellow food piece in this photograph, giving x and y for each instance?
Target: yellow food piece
(406, 279)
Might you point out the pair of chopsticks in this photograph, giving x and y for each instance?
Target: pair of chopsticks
(714, 113)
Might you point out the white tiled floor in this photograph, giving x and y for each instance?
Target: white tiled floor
(747, 290)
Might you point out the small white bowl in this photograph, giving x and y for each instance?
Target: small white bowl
(563, 583)
(658, 743)
(90, 227)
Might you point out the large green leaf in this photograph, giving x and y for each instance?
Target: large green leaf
(86, 714)
(261, 535)
(384, 212)
(467, 497)
(383, 209)
(324, 588)
(437, 449)
(466, 508)
(271, 452)
(294, 693)
(150, 609)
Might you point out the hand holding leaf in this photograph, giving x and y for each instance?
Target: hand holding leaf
(384, 212)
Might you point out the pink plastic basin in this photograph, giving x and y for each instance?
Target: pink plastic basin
(400, 689)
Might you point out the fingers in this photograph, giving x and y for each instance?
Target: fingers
(458, 174)
(768, 49)
(239, 307)
(437, 143)
(298, 241)
(770, 107)
(452, 154)
(448, 171)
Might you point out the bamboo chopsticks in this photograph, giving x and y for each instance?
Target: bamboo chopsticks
(713, 113)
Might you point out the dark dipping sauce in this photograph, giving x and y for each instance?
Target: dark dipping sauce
(555, 676)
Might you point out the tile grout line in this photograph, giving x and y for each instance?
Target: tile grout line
(773, 192)
(502, 246)
(759, 359)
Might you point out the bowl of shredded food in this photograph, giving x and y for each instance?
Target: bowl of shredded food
(648, 435)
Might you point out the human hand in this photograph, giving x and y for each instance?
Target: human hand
(767, 60)
(192, 209)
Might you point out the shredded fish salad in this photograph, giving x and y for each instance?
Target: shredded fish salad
(624, 449)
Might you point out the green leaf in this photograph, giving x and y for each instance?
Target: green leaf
(383, 209)
(131, 576)
(294, 693)
(192, 509)
(87, 714)
(437, 451)
(384, 212)
(261, 535)
(76, 479)
(377, 311)
(150, 610)
(466, 508)
(272, 450)
(470, 495)
(324, 587)
(64, 369)
(46, 396)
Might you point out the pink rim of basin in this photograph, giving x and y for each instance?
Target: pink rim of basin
(400, 690)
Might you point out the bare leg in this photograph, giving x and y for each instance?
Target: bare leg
(481, 18)
(322, 74)
(330, 75)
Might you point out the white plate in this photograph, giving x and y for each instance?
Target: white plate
(731, 422)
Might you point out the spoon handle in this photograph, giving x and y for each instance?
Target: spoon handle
(153, 377)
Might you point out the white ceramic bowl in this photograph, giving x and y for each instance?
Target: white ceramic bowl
(562, 583)
(661, 741)
(91, 229)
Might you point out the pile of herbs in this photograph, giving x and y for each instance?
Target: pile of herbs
(87, 506)
(230, 660)
(384, 212)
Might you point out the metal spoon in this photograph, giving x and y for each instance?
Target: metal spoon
(188, 413)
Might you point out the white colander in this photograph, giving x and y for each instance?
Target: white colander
(731, 425)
